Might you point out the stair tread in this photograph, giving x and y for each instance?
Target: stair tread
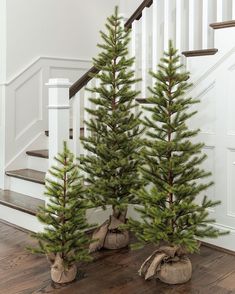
(70, 133)
(202, 52)
(223, 24)
(28, 175)
(44, 153)
(20, 202)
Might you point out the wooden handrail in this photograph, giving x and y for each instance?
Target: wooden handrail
(138, 13)
(79, 84)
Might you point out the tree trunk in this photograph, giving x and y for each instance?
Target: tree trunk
(109, 236)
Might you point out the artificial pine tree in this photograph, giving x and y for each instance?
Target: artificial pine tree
(63, 240)
(172, 173)
(112, 162)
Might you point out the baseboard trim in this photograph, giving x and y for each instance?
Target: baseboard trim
(20, 219)
(218, 248)
(2, 221)
(97, 216)
(225, 242)
(90, 232)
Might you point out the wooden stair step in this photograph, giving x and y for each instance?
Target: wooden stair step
(223, 24)
(20, 202)
(38, 153)
(203, 52)
(30, 175)
(70, 133)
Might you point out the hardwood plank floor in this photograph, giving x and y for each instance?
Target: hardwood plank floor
(109, 273)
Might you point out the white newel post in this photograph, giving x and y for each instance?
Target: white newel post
(58, 116)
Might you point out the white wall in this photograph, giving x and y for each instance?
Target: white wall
(2, 88)
(213, 79)
(129, 6)
(64, 31)
(56, 28)
(2, 39)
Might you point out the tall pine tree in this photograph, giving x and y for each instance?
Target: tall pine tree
(112, 163)
(64, 239)
(171, 170)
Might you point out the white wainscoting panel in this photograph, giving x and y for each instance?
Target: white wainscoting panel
(26, 105)
(231, 182)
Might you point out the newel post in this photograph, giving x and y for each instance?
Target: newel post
(58, 116)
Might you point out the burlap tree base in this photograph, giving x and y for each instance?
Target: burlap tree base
(109, 236)
(59, 273)
(168, 264)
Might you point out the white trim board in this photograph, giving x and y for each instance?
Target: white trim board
(40, 58)
(21, 219)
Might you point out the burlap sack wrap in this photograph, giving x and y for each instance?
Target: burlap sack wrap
(109, 236)
(59, 273)
(168, 264)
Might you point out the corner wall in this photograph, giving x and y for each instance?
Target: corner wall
(2, 87)
(2, 40)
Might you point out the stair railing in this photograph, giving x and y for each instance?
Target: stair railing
(186, 22)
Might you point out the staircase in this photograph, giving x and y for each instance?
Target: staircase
(19, 203)
(203, 31)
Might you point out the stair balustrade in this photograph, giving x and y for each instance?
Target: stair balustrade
(185, 22)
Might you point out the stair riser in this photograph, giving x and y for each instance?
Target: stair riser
(20, 219)
(198, 66)
(223, 38)
(30, 222)
(98, 215)
(26, 187)
(38, 163)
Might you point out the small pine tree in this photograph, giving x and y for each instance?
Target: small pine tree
(171, 167)
(112, 163)
(64, 240)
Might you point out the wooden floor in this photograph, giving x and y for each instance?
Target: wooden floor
(109, 273)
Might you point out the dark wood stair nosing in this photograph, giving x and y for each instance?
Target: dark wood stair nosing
(35, 177)
(38, 153)
(20, 202)
(22, 209)
(223, 24)
(198, 53)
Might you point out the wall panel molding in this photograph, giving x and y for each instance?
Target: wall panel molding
(27, 101)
